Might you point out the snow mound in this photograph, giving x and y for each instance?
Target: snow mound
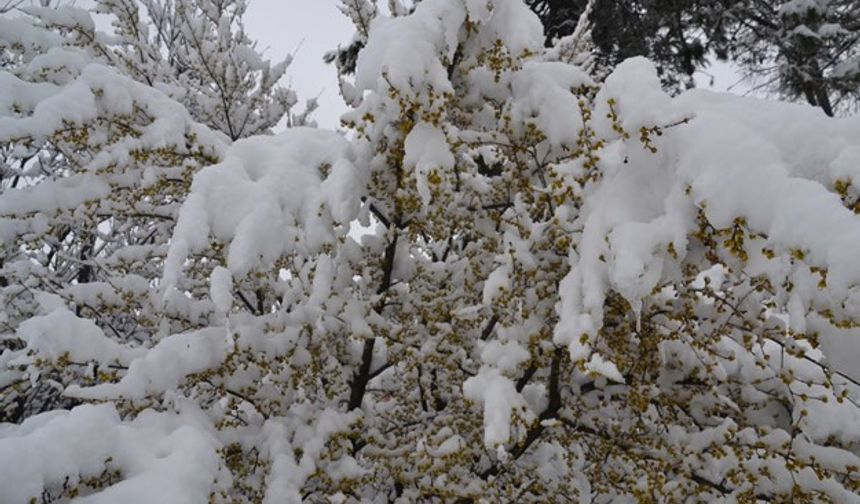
(269, 196)
(157, 457)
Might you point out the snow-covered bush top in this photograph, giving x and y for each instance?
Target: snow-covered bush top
(507, 283)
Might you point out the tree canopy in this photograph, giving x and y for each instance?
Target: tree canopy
(803, 50)
(509, 281)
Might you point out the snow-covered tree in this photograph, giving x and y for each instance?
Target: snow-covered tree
(96, 160)
(197, 51)
(559, 291)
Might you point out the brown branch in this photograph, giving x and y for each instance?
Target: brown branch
(379, 216)
(489, 328)
(524, 379)
(550, 412)
(361, 378)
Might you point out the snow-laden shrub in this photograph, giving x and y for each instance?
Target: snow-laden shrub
(96, 161)
(508, 283)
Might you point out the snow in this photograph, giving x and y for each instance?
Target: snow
(497, 282)
(161, 457)
(509, 21)
(505, 357)
(449, 446)
(60, 333)
(838, 345)
(799, 7)
(74, 103)
(506, 244)
(64, 15)
(500, 400)
(97, 89)
(643, 204)
(542, 97)
(164, 366)
(284, 439)
(18, 32)
(847, 68)
(221, 289)
(635, 88)
(61, 64)
(601, 367)
(61, 194)
(426, 150)
(405, 50)
(280, 201)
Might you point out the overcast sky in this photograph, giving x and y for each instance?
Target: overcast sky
(307, 29)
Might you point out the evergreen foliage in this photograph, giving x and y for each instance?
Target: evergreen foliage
(804, 50)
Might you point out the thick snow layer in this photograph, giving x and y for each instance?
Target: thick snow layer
(506, 356)
(221, 289)
(542, 97)
(405, 50)
(62, 334)
(285, 194)
(33, 41)
(283, 438)
(164, 366)
(497, 282)
(60, 194)
(768, 163)
(161, 457)
(98, 90)
(500, 399)
(460, 311)
(509, 21)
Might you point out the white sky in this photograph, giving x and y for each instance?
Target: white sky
(314, 27)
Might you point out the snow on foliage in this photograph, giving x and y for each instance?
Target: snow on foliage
(155, 457)
(564, 289)
(274, 189)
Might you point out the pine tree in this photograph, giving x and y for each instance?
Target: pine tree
(808, 51)
(804, 50)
